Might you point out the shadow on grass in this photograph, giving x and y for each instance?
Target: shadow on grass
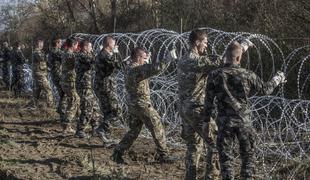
(48, 161)
(99, 177)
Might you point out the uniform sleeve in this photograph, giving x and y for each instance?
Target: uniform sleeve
(209, 98)
(264, 88)
(148, 70)
(205, 64)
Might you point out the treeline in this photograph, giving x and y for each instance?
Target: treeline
(288, 21)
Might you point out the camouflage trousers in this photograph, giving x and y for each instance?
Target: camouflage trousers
(72, 109)
(192, 117)
(90, 111)
(139, 115)
(61, 101)
(40, 83)
(17, 84)
(6, 73)
(246, 136)
(105, 91)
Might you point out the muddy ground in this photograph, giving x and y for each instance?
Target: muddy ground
(34, 147)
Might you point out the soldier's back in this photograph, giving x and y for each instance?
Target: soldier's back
(138, 90)
(68, 66)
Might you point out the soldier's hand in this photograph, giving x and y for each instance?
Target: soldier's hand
(246, 43)
(172, 55)
(279, 78)
(282, 76)
(115, 50)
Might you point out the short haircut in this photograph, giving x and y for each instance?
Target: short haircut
(55, 41)
(197, 34)
(70, 42)
(39, 40)
(84, 43)
(137, 51)
(233, 51)
(105, 42)
(17, 44)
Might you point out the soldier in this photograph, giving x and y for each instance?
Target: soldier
(54, 62)
(192, 76)
(17, 61)
(90, 111)
(39, 71)
(105, 85)
(231, 86)
(6, 64)
(68, 80)
(140, 108)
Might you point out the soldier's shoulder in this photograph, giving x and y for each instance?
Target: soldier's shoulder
(216, 72)
(247, 72)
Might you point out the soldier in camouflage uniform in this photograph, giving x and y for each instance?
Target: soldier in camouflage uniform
(231, 87)
(17, 62)
(68, 85)
(39, 71)
(90, 111)
(54, 62)
(192, 76)
(6, 64)
(105, 85)
(140, 108)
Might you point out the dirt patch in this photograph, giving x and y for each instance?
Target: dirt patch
(32, 146)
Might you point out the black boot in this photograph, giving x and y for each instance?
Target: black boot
(117, 157)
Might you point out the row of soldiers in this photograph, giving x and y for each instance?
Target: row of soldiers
(13, 57)
(71, 72)
(213, 99)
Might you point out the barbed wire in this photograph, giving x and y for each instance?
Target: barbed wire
(282, 121)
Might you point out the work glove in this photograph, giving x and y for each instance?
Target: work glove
(279, 78)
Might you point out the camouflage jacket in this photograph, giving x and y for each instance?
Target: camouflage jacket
(17, 57)
(84, 69)
(231, 86)
(39, 63)
(137, 82)
(68, 66)
(192, 72)
(105, 65)
(54, 61)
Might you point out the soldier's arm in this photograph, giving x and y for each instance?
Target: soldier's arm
(259, 85)
(209, 98)
(148, 70)
(206, 64)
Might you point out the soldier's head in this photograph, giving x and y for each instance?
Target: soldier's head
(17, 45)
(5, 44)
(72, 44)
(39, 44)
(57, 43)
(109, 43)
(234, 53)
(139, 55)
(86, 46)
(198, 39)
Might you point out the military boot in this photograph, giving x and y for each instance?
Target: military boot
(117, 157)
